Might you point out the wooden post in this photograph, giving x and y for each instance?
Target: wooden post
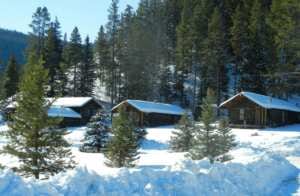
(142, 119)
(265, 116)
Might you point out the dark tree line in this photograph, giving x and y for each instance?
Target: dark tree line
(174, 50)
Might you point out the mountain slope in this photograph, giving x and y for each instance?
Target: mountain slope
(12, 43)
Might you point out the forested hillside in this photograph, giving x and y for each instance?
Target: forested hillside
(12, 43)
(174, 50)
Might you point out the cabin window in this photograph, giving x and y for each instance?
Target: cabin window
(242, 114)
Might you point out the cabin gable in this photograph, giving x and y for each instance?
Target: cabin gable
(245, 112)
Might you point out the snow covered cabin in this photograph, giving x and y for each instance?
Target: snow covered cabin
(146, 113)
(74, 111)
(248, 109)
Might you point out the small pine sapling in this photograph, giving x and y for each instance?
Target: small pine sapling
(181, 141)
(96, 136)
(226, 140)
(205, 140)
(122, 149)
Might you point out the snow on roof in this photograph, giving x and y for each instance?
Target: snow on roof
(266, 102)
(63, 102)
(71, 101)
(62, 112)
(154, 107)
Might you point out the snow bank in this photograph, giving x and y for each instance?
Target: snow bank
(261, 177)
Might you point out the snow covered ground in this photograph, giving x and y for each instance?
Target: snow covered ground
(266, 162)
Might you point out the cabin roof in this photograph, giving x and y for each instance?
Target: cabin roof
(62, 112)
(266, 102)
(153, 107)
(63, 102)
(71, 101)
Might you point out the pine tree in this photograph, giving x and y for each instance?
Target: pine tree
(166, 85)
(183, 137)
(215, 56)
(39, 25)
(64, 67)
(74, 60)
(11, 78)
(283, 20)
(205, 141)
(53, 55)
(88, 70)
(102, 55)
(240, 42)
(122, 148)
(96, 136)
(32, 136)
(226, 140)
(184, 49)
(261, 56)
(112, 30)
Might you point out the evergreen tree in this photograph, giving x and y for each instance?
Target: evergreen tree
(226, 140)
(183, 137)
(283, 20)
(64, 65)
(88, 70)
(215, 57)
(124, 54)
(53, 55)
(261, 56)
(39, 25)
(240, 42)
(112, 30)
(32, 136)
(74, 61)
(11, 78)
(172, 10)
(166, 85)
(2, 90)
(102, 54)
(96, 136)
(184, 49)
(205, 141)
(122, 148)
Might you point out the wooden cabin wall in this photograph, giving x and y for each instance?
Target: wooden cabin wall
(87, 111)
(253, 114)
(156, 119)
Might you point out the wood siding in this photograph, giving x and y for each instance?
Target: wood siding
(257, 116)
(148, 119)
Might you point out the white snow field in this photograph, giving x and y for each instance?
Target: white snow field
(266, 162)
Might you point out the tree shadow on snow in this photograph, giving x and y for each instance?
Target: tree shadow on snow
(153, 145)
(287, 128)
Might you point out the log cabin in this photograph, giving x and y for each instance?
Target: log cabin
(150, 114)
(74, 111)
(248, 109)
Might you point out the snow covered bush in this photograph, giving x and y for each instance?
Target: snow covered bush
(96, 136)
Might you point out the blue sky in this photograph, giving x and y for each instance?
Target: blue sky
(88, 15)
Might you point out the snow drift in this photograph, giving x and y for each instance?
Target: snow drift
(260, 177)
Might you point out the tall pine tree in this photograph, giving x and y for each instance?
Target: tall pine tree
(33, 137)
(205, 141)
(73, 62)
(11, 78)
(40, 24)
(88, 70)
(52, 56)
(122, 149)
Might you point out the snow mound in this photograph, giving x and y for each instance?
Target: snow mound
(260, 177)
